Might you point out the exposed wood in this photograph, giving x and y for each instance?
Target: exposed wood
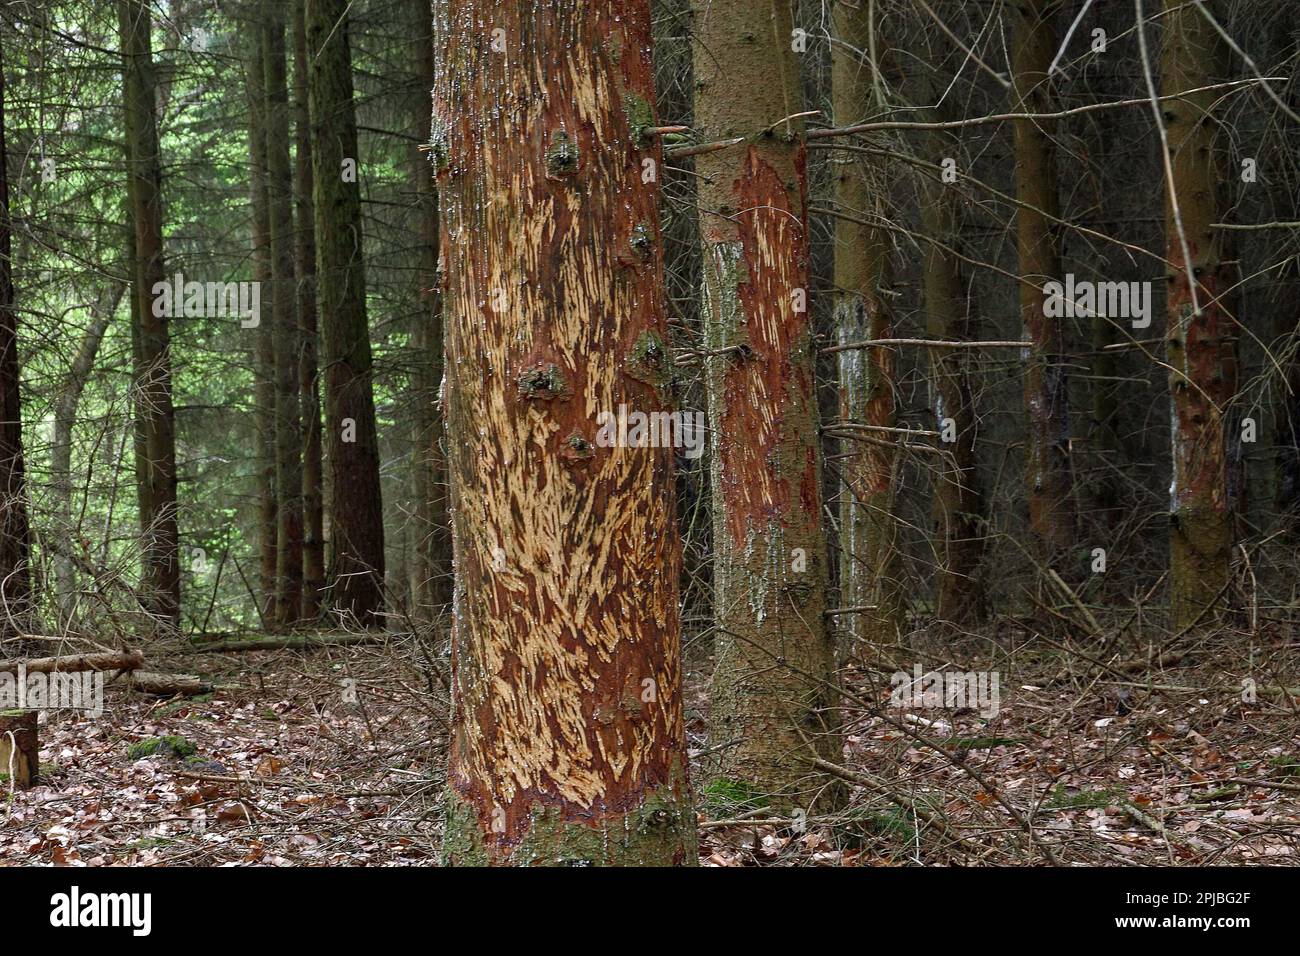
(20, 763)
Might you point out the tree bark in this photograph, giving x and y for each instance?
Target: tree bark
(98, 661)
(65, 419)
(313, 495)
(19, 748)
(773, 650)
(869, 529)
(284, 326)
(1201, 330)
(431, 572)
(958, 513)
(15, 531)
(568, 743)
(264, 367)
(156, 469)
(352, 448)
(1047, 405)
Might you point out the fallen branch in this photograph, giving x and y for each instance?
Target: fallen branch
(106, 661)
(288, 643)
(169, 685)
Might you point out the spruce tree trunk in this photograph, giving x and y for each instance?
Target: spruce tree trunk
(15, 533)
(264, 333)
(773, 649)
(284, 326)
(869, 529)
(156, 446)
(65, 419)
(356, 572)
(313, 495)
(568, 741)
(1047, 407)
(431, 570)
(958, 504)
(1201, 329)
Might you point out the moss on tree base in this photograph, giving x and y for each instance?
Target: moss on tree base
(660, 831)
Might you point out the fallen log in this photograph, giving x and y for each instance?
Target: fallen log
(104, 661)
(169, 685)
(288, 643)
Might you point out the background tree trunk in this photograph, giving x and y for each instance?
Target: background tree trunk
(284, 326)
(313, 494)
(65, 419)
(869, 530)
(568, 742)
(1201, 331)
(15, 532)
(773, 648)
(1047, 399)
(431, 572)
(958, 504)
(352, 449)
(264, 368)
(161, 582)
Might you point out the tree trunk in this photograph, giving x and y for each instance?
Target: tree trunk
(774, 649)
(313, 497)
(431, 565)
(284, 326)
(1201, 329)
(352, 447)
(264, 333)
(19, 749)
(65, 419)
(15, 533)
(568, 741)
(1047, 406)
(958, 504)
(869, 529)
(156, 470)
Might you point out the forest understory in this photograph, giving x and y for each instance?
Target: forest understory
(1146, 757)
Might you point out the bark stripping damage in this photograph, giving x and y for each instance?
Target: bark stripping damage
(869, 531)
(773, 647)
(1201, 334)
(568, 742)
(1047, 406)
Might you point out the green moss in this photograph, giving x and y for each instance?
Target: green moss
(642, 240)
(640, 117)
(660, 831)
(439, 153)
(723, 796)
(650, 361)
(1286, 765)
(579, 447)
(562, 156)
(171, 745)
(542, 383)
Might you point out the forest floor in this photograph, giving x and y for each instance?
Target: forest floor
(335, 757)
